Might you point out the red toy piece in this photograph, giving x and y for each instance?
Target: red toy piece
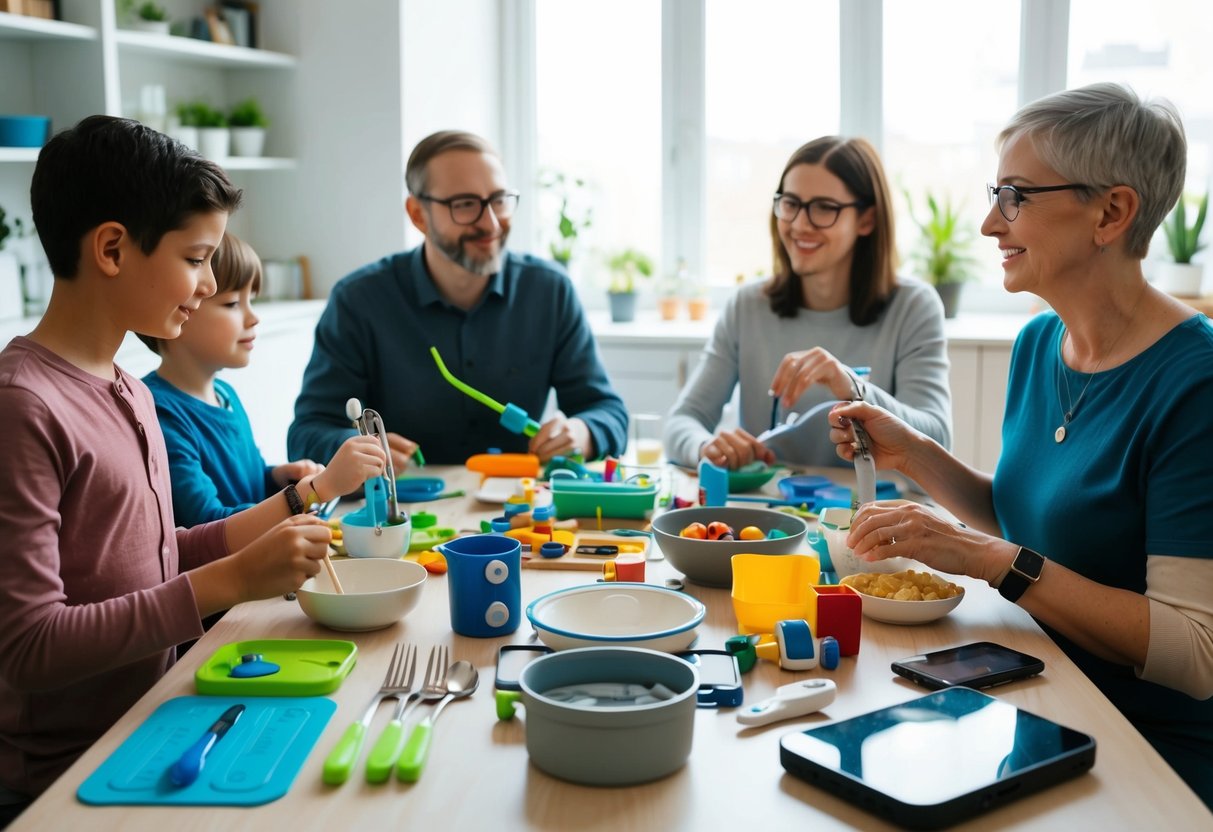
(840, 614)
(719, 531)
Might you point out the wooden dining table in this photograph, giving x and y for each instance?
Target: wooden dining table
(479, 777)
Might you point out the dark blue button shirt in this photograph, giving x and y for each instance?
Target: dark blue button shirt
(526, 335)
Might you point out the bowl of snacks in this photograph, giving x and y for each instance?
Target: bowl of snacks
(700, 542)
(377, 593)
(907, 597)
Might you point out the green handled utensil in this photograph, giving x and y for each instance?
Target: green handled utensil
(462, 680)
(397, 681)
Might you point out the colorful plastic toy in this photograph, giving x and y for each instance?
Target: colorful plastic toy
(504, 465)
(794, 647)
(840, 614)
(513, 418)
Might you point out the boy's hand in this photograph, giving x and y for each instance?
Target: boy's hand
(294, 471)
(283, 558)
(357, 460)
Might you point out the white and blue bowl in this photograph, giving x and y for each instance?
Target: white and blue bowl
(616, 615)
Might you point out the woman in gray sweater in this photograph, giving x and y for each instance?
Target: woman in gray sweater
(834, 304)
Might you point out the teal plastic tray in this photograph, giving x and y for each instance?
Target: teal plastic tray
(308, 667)
(584, 498)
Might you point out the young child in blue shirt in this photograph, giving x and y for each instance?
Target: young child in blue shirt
(214, 462)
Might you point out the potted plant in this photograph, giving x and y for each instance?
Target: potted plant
(943, 251)
(626, 266)
(248, 123)
(573, 216)
(214, 137)
(669, 299)
(183, 124)
(147, 16)
(1183, 277)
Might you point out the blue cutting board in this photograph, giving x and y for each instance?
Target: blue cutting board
(256, 761)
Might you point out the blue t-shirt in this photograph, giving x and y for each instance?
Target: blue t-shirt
(214, 462)
(1134, 477)
(526, 336)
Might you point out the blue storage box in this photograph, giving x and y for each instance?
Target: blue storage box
(24, 131)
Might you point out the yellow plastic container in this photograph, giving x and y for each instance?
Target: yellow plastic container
(771, 588)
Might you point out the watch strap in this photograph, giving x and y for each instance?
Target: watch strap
(1025, 570)
(293, 500)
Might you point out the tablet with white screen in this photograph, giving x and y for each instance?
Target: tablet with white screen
(938, 760)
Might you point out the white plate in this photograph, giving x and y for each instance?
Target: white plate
(616, 614)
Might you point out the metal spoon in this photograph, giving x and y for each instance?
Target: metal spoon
(462, 680)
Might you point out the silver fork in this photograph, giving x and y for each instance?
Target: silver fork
(398, 681)
(390, 743)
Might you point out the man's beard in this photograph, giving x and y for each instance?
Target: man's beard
(456, 251)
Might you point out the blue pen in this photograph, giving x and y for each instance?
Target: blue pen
(186, 770)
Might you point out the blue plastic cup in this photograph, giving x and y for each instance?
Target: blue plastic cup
(484, 585)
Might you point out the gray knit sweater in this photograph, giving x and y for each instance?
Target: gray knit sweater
(905, 348)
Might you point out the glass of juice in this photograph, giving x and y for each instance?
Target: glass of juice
(646, 438)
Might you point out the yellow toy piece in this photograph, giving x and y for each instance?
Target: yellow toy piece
(527, 536)
(433, 562)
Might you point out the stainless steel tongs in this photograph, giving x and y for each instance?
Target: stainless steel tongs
(370, 423)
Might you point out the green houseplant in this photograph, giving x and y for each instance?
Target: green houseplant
(1180, 276)
(148, 15)
(248, 123)
(573, 216)
(626, 266)
(214, 137)
(942, 251)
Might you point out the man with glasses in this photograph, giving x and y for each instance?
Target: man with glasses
(509, 325)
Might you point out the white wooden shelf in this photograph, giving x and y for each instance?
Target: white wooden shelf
(189, 50)
(19, 154)
(258, 163)
(20, 27)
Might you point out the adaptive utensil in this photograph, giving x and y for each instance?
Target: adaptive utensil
(186, 770)
(370, 423)
(340, 761)
(387, 748)
(513, 417)
(462, 680)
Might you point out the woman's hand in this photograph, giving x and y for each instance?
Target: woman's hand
(559, 435)
(402, 451)
(734, 448)
(798, 371)
(901, 529)
(294, 471)
(357, 460)
(889, 438)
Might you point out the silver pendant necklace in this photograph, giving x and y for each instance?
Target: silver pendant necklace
(1067, 413)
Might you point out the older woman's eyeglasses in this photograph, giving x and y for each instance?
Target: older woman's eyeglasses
(822, 212)
(467, 209)
(1010, 197)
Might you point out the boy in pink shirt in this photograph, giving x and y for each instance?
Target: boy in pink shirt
(96, 585)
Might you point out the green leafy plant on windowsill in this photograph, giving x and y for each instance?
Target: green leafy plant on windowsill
(1184, 240)
(942, 252)
(573, 216)
(626, 266)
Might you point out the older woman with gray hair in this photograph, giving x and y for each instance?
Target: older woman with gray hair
(1098, 519)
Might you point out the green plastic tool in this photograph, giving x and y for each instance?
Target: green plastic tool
(513, 417)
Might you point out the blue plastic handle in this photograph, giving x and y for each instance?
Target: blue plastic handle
(189, 765)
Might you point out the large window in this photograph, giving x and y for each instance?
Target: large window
(598, 113)
(771, 85)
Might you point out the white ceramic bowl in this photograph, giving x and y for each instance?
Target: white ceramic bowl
(907, 612)
(835, 524)
(616, 615)
(378, 593)
(361, 541)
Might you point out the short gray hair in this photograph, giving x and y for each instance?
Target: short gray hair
(1104, 135)
(416, 173)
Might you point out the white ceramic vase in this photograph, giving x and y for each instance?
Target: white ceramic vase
(188, 136)
(214, 142)
(1182, 279)
(158, 27)
(248, 141)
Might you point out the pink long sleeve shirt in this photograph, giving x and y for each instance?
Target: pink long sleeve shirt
(92, 595)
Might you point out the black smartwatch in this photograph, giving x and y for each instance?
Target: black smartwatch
(293, 499)
(1025, 571)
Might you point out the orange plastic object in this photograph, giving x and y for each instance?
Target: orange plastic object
(719, 531)
(751, 533)
(528, 536)
(771, 588)
(433, 562)
(504, 465)
(697, 531)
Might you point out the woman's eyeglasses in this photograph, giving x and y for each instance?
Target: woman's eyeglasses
(822, 212)
(1010, 197)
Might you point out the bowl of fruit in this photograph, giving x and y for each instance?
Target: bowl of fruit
(700, 542)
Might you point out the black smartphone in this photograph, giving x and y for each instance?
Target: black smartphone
(982, 664)
(937, 760)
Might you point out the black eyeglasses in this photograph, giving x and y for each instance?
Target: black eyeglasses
(467, 209)
(822, 212)
(1010, 197)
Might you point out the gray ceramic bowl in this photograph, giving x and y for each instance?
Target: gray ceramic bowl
(611, 745)
(708, 562)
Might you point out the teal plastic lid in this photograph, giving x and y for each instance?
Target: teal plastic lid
(306, 667)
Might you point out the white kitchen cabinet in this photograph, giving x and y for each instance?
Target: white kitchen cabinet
(978, 378)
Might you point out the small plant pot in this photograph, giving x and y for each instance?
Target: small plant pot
(697, 308)
(248, 141)
(188, 136)
(949, 293)
(214, 142)
(1181, 279)
(668, 308)
(156, 27)
(623, 306)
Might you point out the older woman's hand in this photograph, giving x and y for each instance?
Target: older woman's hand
(735, 448)
(890, 439)
(798, 371)
(901, 529)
